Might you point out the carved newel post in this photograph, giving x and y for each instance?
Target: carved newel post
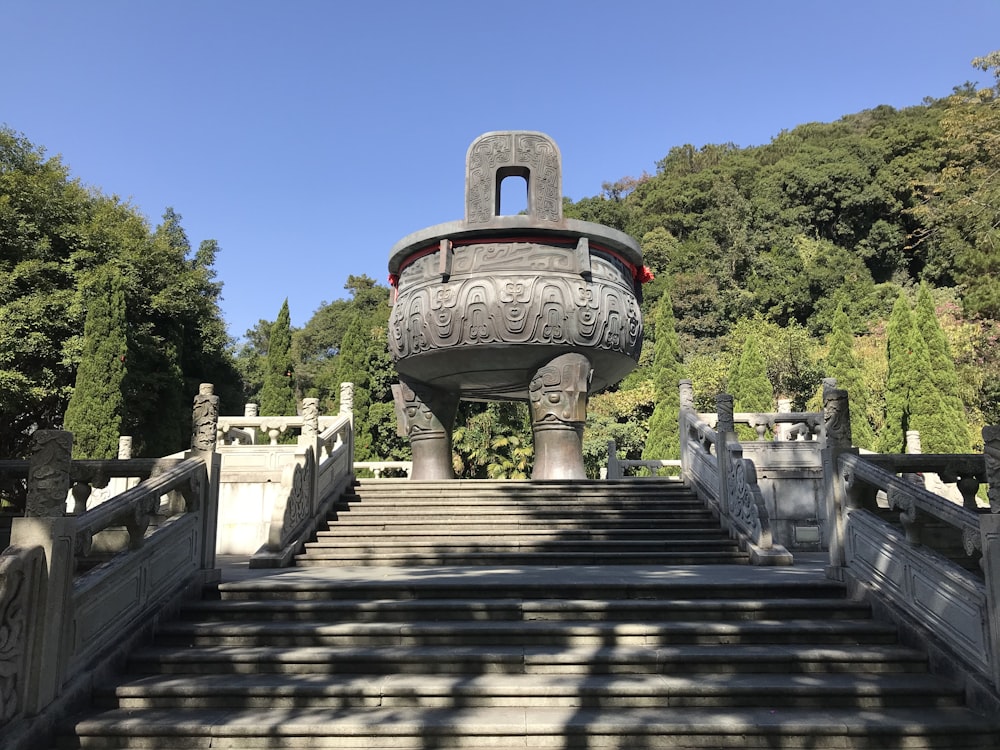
(251, 410)
(310, 418)
(426, 416)
(347, 398)
(686, 394)
(205, 419)
(49, 473)
(558, 398)
(724, 411)
(991, 452)
(837, 429)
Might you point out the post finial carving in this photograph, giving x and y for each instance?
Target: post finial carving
(836, 416)
(687, 394)
(347, 398)
(124, 447)
(724, 411)
(310, 417)
(205, 419)
(49, 473)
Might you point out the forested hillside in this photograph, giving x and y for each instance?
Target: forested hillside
(765, 247)
(865, 249)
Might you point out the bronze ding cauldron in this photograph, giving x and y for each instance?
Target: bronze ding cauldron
(533, 307)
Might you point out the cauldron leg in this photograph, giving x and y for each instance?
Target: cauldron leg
(426, 415)
(558, 397)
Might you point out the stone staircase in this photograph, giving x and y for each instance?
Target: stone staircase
(505, 615)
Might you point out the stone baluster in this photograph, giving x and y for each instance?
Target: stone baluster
(913, 448)
(782, 430)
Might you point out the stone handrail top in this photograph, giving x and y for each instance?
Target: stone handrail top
(749, 417)
(861, 468)
(263, 423)
(514, 225)
(122, 509)
(333, 425)
(962, 464)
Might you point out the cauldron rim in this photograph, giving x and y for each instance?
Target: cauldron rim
(502, 227)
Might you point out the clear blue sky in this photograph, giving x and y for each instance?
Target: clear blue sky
(307, 137)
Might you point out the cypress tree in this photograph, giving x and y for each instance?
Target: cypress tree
(844, 366)
(748, 382)
(925, 402)
(277, 396)
(664, 432)
(950, 433)
(352, 368)
(95, 411)
(899, 355)
(749, 385)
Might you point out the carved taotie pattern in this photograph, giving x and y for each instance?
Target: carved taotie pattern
(516, 309)
(558, 391)
(423, 411)
(540, 155)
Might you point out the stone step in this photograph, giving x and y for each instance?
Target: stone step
(386, 532)
(601, 691)
(443, 557)
(493, 610)
(567, 727)
(526, 583)
(718, 659)
(504, 543)
(533, 633)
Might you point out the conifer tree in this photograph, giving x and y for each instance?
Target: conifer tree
(277, 396)
(664, 432)
(95, 411)
(899, 354)
(844, 366)
(950, 431)
(748, 382)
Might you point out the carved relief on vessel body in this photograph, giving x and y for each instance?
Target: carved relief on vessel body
(515, 309)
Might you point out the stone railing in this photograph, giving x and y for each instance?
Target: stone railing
(928, 563)
(273, 496)
(619, 468)
(378, 468)
(309, 486)
(713, 464)
(77, 590)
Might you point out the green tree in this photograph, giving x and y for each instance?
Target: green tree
(899, 355)
(748, 383)
(95, 410)
(949, 432)
(277, 396)
(664, 432)
(842, 364)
